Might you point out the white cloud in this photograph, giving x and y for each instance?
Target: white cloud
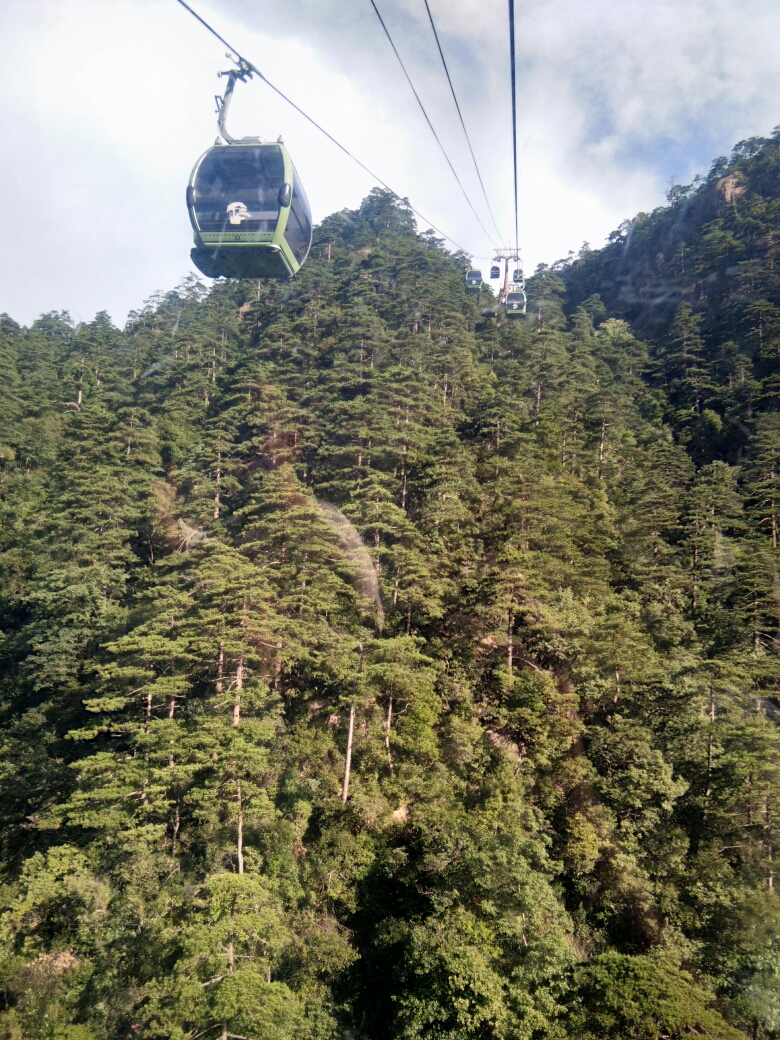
(106, 104)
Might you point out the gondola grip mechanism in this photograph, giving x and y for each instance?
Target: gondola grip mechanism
(243, 72)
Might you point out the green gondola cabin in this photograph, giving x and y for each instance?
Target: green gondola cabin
(515, 302)
(473, 281)
(249, 211)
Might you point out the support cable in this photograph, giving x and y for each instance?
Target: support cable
(514, 106)
(314, 123)
(462, 123)
(428, 121)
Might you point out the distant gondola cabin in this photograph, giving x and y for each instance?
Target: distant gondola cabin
(473, 281)
(515, 303)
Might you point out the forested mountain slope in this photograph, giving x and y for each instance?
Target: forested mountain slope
(373, 669)
(700, 278)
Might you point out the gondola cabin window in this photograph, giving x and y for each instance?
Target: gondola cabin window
(237, 189)
(298, 232)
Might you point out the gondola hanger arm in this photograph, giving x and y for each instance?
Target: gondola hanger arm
(243, 72)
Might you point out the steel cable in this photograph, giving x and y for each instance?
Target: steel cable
(430, 124)
(462, 123)
(514, 107)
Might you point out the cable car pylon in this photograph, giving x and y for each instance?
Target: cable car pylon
(512, 295)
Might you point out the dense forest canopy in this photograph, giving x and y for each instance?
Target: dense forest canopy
(372, 668)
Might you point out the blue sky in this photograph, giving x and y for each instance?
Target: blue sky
(106, 104)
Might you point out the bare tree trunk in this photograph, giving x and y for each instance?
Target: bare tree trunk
(348, 763)
(409, 617)
(403, 476)
(147, 720)
(387, 733)
(278, 669)
(171, 712)
(220, 666)
(219, 478)
(510, 644)
(708, 792)
(604, 427)
(239, 688)
(770, 875)
(574, 440)
(240, 834)
(175, 830)
(81, 384)
(695, 591)
(756, 633)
